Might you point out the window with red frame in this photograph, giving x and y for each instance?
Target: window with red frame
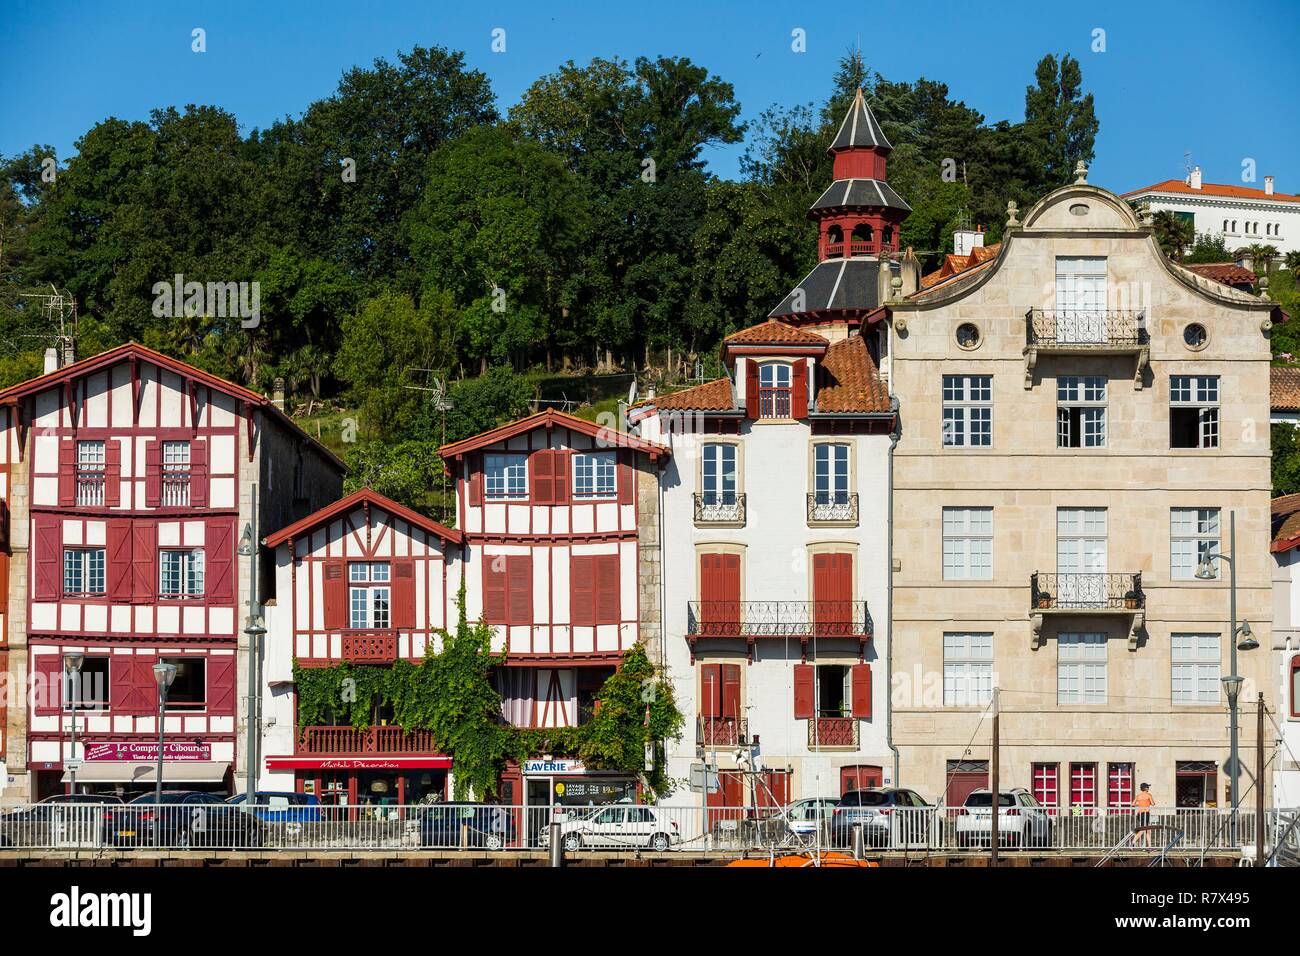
(1083, 785)
(774, 390)
(1046, 779)
(1119, 785)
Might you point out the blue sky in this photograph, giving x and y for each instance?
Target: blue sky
(1216, 80)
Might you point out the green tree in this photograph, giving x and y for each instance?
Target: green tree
(1174, 233)
(1060, 119)
(1207, 248)
(479, 404)
(1285, 439)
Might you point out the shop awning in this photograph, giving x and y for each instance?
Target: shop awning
(404, 762)
(124, 771)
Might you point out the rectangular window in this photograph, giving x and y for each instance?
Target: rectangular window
(1295, 686)
(718, 474)
(774, 388)
(831, 473)
(189, 689)
(175, 474)
(1194, 411)
(1081, 546)
(368, 595)
(83, 571)
(1083, 785)
(834, 690)
(181, 574)
(505, 476)
(1081, 299)
(967, 544)
(967, 669)
(1081, 411)
(968, 410)
(1046, 784)
(1119, 785)
(1081, 669)
(1196, 668)
(593, 474)
(90, 473)
(91, 685)
(1193, 534)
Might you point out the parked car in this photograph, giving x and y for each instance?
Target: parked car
(281, 807)
(1022, 820)
(622, 827)
(182, 818)
(488, 826)
(64, 816)
(802, 817)
(889, 817)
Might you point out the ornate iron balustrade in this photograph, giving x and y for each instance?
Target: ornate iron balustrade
(1048, 592)
(1083, 329)
(369, 646)
(350, 742)
(832, 732)
(721, 731)
(803, 621)
(724, 508)
(839, 509)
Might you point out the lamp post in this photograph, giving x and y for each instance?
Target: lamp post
(1232, 683)
(163, 675)
(72, 666)
(254, 629)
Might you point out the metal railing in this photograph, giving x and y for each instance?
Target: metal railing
(348, 741)
(729, 508)
(835, 250)
(1085, 590)
(834, 507)
(372, 646)
(721, 731)
(832, 732)
(777, 619)
(277, 825)
(1085, 328)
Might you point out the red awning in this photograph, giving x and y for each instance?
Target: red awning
(427, 762)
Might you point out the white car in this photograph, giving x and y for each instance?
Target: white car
(1022, 820)
(621, 827)
(802, 816)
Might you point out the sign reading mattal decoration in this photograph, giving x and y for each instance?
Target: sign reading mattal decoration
(172, 750)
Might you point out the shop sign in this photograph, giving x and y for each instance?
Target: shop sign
(553, 766)
(144, 752)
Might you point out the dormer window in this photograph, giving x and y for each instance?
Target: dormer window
(774, 390)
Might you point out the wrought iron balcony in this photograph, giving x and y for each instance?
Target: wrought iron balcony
(721, 731)
(1087, 593)
(803, 621)
(720, 508)
(832, 732)
(372, 646)
(1086, 331)
(350, 742)
(839, 509)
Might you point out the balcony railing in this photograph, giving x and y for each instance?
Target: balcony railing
(778, 618)
(832, 732)
(1085, 329)
(835, 250)
(90, 488)
(175, 489)
(720, 509)
(369, 741)
(721, 731)
(833, 508)
(369, 646)
(1085, 591)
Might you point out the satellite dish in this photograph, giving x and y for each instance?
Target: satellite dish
(631, 393)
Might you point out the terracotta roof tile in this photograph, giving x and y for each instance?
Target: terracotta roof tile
(1286, 530)
(1210, 189)
(954, 264)
(1284, 388)
(1285, 504)
(1228, 273)
(849, 381)
(715, 396)
(773, 332)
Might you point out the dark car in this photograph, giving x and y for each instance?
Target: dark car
(889, 817)
(182, 818)
(281, 806)
(444, 825)
(60, 819)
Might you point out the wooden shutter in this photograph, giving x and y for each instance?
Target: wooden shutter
(403, 607)
(751, 388)
(730, 690)
(335, 575)
(774, 789)
(198, 474)
(144, 561)
(799, 390)
(494, 589)
(861, 690)
(803, 691)
(833, 593)
(582, 590)
(710, 690)
(720, 594)
(67, 473)
(561, 468)
(474, 470)
(119, 560)
(112, 473)
(123, 698)
(608, 605)
(221, 684)
(626, 471)
(519, 568)
(49, 684)
(218, 559)
(48, 559)
(541, 480)
(144, 689)
(152, 474)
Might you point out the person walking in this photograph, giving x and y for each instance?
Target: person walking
(1143, 803)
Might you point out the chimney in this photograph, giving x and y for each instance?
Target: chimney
(964, 240)
(1194, 178)
(277, 393)
(1268, 185)
(910, 271)
(51, 360)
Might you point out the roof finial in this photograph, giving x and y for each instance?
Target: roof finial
(1145, 215)
(1011, 213)
(1080, 173)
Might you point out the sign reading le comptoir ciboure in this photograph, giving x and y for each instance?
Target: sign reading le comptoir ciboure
(177, 750)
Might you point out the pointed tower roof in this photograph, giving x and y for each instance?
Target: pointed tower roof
(860, 129)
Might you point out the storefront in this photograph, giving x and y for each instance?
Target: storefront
(126, 769)
(562, 783)
(372, 783)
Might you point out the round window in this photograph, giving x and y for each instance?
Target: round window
(1195, 335)
(968, 336)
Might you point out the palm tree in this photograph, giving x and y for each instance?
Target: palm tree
(1293, 260)
(1174, 233)
(1261, 256)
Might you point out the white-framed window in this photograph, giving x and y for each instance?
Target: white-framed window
(1193, 533)
(369, 595)
(90, 473)
(968, 410)
(1194, 411)
(774, 388)
(594, 474)
(967, 669)
(83, 570)
(175, 474)
(1081, 540)
(967, 544)
(90, 456)
(180, 573)
(1081, 411)
(1081, 669)
(1080, 298)
(718, 474)
(831, 473)
(505, 476)
(1196, 660)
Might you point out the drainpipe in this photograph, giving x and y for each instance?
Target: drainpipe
(894, 435)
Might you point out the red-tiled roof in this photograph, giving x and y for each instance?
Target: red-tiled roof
(848, 380)
(1285, 504)
(1226, 190)
(553, 419)
(773, 332)
(1284, 388)
(1228, 273)
(1286, 523)
(715, 396)
(356, 500)
(953, 263)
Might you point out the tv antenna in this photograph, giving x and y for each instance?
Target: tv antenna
(60, 310)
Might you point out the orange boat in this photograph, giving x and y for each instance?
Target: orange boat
(806, 859)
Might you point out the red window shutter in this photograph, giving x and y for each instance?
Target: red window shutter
(799, 391)
(494, 589)
(561, 469)
(144, 561)
(48, 688)
(198, 474)
(221, 684)
(519, 567)
(335, 575)
(112, 472)
(608, 604)
(119, 560)
(803, 691)
(152, 474)
(582, 590)
(541, 481)
(123, 696)
(404, 593)
(144, 689)
(751, 389)
(474, 468)
(710, 690)
(730, 690)
(219, 559)
(862, 690)
(626, 470)
(67, 473)
(48, 560)
(720, 593)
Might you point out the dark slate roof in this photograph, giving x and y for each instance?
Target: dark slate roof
(836, 284)
(860, 192)
(860, 128)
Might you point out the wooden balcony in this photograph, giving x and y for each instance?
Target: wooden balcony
(368, 742)
(374, 646)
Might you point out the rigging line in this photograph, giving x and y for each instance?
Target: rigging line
(967, 748)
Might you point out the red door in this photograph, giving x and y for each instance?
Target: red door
(719, 595)
(832, 594)
(728, 801)
(960, 786)
(859, 778)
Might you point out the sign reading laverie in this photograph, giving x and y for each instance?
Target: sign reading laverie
(554, 766)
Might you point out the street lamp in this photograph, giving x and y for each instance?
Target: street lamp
(253, 629)
(163, 675)
(72, 666)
